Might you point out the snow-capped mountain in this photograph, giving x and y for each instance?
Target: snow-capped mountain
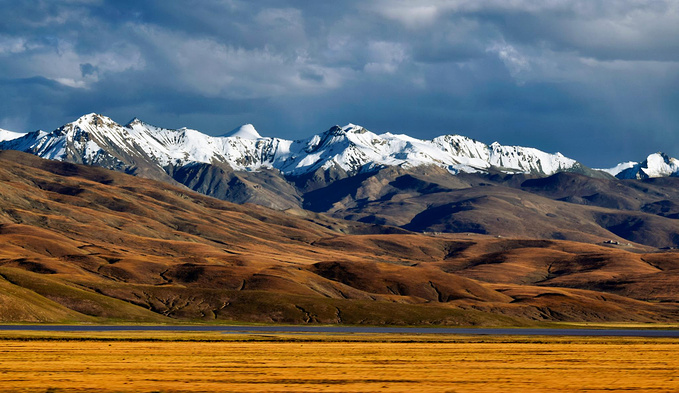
(655, 165)
(246, 131)
(618, 168)
(97, 140)
(9, 135)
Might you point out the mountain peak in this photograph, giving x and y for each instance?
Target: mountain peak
(659, 156)
(655, 165)
(6, 135)
(134, 122)
(246, 131)
(95, 138)
(621, 167)
(350, 128)
(94, 119)
(353, 128)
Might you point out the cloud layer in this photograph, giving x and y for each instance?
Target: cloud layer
(597, 80)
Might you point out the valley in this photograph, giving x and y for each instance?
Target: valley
(339, 196)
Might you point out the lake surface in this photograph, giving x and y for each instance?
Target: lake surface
(347, 330)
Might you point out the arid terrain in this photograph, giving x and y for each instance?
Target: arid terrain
(84, 244)
(411, 196)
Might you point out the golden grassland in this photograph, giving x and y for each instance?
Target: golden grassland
(214, 362)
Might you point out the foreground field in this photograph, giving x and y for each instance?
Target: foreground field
(145, 362)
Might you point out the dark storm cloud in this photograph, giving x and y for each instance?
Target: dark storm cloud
(596, 80)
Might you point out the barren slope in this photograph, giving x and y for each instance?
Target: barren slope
(86, 244)
(563, 206)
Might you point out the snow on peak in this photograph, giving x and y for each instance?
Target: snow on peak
(96, 139)
(94, 119)
(6, 135)
(133, 122)
(353, 128)
(528, 160)
(655, 165)
(618, 168)
(246, 131)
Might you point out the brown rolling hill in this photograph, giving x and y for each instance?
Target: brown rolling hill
(84, 244)
(564, 206)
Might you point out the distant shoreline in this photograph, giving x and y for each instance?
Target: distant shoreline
(667, 333)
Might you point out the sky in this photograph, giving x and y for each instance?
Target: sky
(597, 80)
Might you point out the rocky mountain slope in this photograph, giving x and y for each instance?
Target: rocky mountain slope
(86, 244)
(97, 140)
(655, 165)
(448, 184)
(562, 206)
(243, 167)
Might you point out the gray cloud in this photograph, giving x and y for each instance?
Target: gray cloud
(594, 79)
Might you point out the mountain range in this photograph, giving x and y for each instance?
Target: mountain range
(95, 139)
(84, 244)
(101, 223)
(448, 184)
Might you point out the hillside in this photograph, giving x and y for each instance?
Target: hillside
(563, 206)
(450, 184)
(82, 243)
(242, 166)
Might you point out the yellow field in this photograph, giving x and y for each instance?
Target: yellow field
(209, 362)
